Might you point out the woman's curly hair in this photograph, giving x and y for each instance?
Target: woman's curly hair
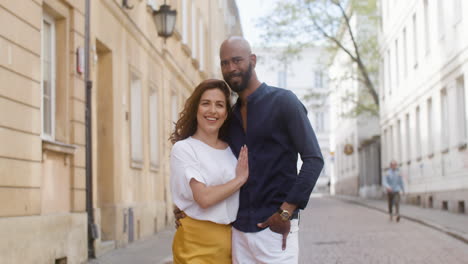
(186, 126)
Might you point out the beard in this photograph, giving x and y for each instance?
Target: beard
(245, 78)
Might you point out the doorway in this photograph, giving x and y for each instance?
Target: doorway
(104, 129)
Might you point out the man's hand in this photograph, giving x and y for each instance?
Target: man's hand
(178, 214)
(277, 225)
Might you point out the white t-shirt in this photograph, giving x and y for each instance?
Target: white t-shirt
(192, 158)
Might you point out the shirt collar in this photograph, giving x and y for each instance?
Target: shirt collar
(261, 90)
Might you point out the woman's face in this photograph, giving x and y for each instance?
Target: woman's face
(212, 111)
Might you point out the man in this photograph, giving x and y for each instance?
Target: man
(273, 123)
(393, 184)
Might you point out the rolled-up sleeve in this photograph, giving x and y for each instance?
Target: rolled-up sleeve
(184, 167)
(305, 142)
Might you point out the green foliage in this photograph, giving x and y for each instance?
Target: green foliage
(348, 26)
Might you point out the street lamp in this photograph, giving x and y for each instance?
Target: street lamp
(165, 20)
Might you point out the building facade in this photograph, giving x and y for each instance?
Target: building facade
(355, 136)
(140, 82)
(423, 99)
(306, 76)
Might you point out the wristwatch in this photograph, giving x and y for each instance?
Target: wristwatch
(285, 214)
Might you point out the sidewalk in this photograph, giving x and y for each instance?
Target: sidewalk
(455, 225)
(155, 250)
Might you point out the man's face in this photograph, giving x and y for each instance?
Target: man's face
(238, 80)
(393, 165)
(236, 67)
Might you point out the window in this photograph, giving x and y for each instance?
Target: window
(318, 79)
(461, 110)
(390, 146)
(408, 137)
(418, 132)
(441, 21)
(405, 54)
(389, 69)
(135, 121)
(426, 26)
(152, 4)
(202, 43)
(382, 78)
(194, 30)
(184, 22)
(397, 69)
(48, 58)
(387, 8)
(430, 144)
(153, 129)
(415, 41)
(319, 122)
(457, 5)
(386, 146)
(398, 132)
(282, 82)
(382, 17)
(444, 124)
(352, 158)
(175, 110)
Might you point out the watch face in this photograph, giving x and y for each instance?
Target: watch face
(285, 215)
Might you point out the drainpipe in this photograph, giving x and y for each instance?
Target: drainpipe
(92, 230)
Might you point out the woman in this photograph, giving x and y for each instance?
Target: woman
(205, 177)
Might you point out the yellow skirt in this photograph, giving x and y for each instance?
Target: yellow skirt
(202, 242)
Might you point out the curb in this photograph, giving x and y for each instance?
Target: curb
(463, 238)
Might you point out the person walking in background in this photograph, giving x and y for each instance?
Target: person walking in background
(205, 177)
(393, 183)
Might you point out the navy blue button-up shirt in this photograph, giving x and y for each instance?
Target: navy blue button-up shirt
(277, 130)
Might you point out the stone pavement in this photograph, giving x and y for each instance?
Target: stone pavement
(339, 232)
(157, 249)
(455, 225)
(151, 250)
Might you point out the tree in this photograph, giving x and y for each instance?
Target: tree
(349, 26)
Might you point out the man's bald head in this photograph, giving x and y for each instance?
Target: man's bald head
(235, 42)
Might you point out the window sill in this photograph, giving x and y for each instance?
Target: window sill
(195, 63)
(59, 147)
(136, 164)
(177, 34)
(203, 74)
(186, 49)
(462, 146)
(154, 168)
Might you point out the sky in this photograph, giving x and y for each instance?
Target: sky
(250, 11)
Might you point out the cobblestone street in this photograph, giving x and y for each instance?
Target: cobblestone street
(334, 231)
